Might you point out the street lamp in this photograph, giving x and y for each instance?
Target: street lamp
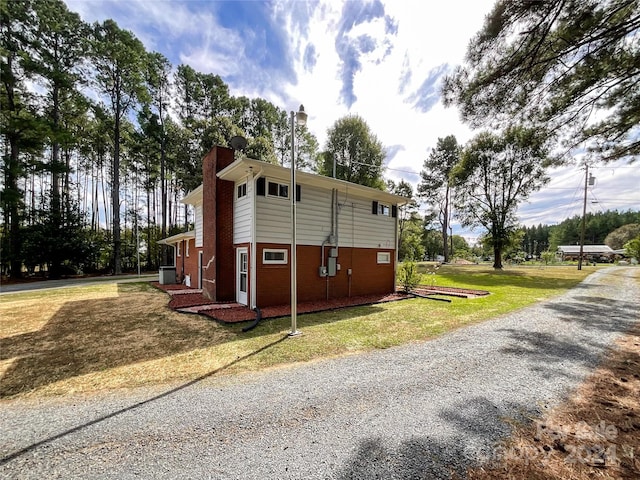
(301, 119)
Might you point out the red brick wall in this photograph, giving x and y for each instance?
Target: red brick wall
(217, 227)
(225, 272)
(274, 281)
(188, 265)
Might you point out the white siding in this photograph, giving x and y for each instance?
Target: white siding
(313, 214)
(273, 220)
(357, 226)
(361, 228)
(198, 225)
(242, 215)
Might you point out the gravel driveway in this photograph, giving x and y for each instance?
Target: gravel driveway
(416, 411)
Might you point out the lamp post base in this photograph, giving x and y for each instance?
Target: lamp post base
(294, 333)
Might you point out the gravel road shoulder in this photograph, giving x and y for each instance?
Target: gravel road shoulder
(421, 410)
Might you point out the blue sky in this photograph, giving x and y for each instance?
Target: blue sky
(383, 60)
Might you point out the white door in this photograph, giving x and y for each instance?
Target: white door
(242, 283)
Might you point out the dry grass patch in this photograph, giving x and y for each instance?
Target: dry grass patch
(91, 338)
(595, 434)
(96, 338)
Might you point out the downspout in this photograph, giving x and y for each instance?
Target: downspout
(334, 196)
(335, 223)
(335, 232)
(184, 252)
(353, 242)
(395, 266)
(254, 241)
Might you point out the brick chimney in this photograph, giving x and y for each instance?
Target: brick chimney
(218, 263)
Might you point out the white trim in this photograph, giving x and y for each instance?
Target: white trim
(384, 257)
(238, 169)
(384, 209)
(240, 191)
(194, 197)
(253, 257)
(172, 240)
(280, 185)
(242, 274)
(284, 260)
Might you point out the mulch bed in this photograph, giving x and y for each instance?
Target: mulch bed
(191, 300)
(172, 287)
(183, 300)
(242, 314)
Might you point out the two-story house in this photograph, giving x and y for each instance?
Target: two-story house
(240, 249)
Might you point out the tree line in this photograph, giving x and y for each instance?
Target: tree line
(544, 80)
(101, 138)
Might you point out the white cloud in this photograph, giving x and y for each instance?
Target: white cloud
(207, 56)
(428, 36)
(615, 188)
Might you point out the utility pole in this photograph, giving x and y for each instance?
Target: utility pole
(584, 215)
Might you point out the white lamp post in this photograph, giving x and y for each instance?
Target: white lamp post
(301, 119)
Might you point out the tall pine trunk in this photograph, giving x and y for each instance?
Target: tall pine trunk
(445, 226)
(56, 204)
(11, 195)
(115, 194)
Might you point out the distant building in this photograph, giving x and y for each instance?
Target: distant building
(593, 253)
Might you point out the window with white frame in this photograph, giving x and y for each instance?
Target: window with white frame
(275, 189)
(178, 249)
(242, 190)
(383, 209)
(274, 256)
(384, 257)
(186, 248)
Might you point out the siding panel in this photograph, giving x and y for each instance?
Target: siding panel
(242, 219)
(273, 220)
(198, 225)
(357, 226)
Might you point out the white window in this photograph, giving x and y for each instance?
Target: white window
(242, 190)
(178, 249)
(272, 256)
(186, 248)
(384, 257)
(275, 189)
(383, 210)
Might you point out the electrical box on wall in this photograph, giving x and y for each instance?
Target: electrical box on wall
(322, 271)
(331, 266)
(333, 252)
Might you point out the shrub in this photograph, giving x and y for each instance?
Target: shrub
(548, 257)
(408, 275)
